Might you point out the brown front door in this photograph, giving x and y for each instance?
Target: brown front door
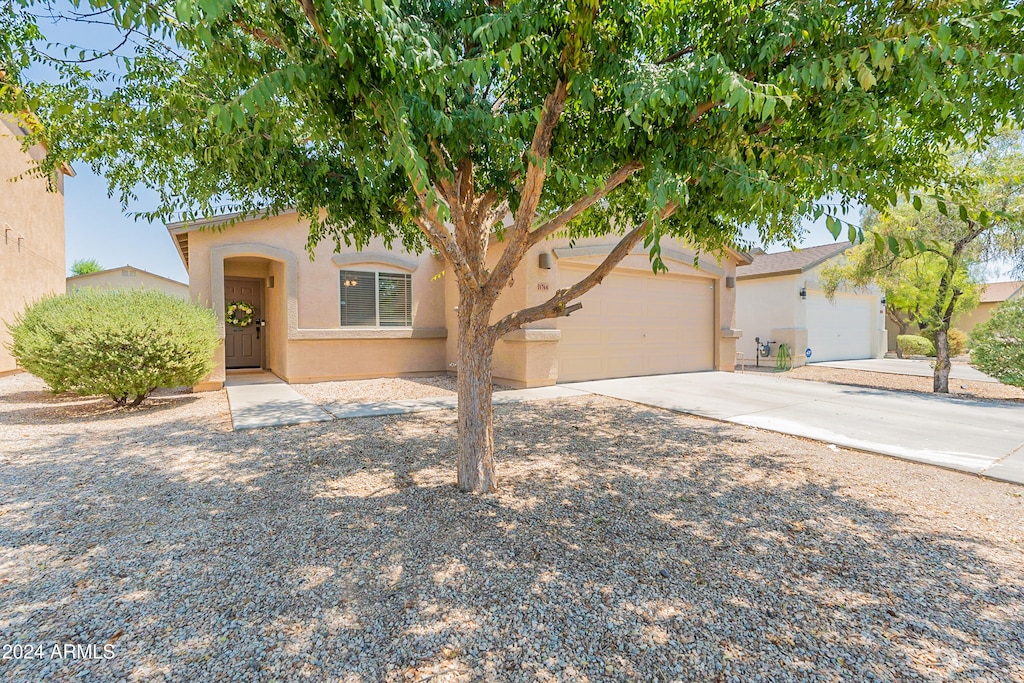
(243, 346)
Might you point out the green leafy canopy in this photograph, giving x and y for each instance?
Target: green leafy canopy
(85, 266)
(740, 112)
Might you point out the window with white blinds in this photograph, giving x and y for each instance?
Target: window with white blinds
(373, 299)
(394, 299)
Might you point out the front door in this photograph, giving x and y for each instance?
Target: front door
(243, 346)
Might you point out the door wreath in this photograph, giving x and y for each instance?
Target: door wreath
(239, 314)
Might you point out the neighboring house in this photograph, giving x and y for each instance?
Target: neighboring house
(991, 296)
(383, 312)
(126, 277)
(779, 299)
(32, 227)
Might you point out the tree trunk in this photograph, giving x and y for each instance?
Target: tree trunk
(940, 380)
(476, 414)
(904, 327)
(945, 304)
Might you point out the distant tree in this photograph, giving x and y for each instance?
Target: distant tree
(85, 266)
(910, 285)
(465, 125)
(919, 239)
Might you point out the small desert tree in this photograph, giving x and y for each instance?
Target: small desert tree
(910, 285)
(462, 125)
(85, 266)
(909, 279)
(923, 236)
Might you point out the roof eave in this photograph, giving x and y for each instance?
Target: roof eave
(773, 273)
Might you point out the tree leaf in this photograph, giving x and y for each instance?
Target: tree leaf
(865, 78)
(834, 226)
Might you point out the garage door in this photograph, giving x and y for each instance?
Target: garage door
(637, 323)
(840, 329)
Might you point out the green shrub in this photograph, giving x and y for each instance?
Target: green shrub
(123, 344)
(997, 346)
(912, 345)
(956, 338)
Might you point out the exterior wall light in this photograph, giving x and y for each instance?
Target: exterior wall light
(544, 260)
(803, 292)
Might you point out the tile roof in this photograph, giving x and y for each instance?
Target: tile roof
(788, 262)
(996, 292)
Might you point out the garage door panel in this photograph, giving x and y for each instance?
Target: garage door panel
(637, 324)
(840, 329)
(622, 336)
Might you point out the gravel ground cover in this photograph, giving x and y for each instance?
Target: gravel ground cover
(377, 390)
(885, 380)
(627, 544)
(381, 389)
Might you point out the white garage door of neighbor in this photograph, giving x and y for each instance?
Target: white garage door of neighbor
(637, 323)
(840, 329)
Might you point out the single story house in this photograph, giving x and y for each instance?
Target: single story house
(384, 312)
(32, 227)
(127, 277)
(779, 299)
(991, 297)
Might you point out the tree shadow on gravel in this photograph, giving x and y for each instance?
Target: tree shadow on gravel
(627, 543)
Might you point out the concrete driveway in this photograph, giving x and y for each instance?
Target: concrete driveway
(981, 437)
(907, 366)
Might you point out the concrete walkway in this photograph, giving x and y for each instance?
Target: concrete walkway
(260, 399)
(907, 366)
(981, 437)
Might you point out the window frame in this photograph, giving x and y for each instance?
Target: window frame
(376, 272)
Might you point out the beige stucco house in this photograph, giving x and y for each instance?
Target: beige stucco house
(126, 277)
(32, 227)
(382, 312)
(780, 299)
(992, 295)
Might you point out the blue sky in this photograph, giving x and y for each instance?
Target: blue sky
(97, 228)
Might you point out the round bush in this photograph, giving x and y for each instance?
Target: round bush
(123, 344)
(997, 346)
(912, 345)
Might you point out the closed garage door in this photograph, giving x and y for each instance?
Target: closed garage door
(840, 329)
(637, 323)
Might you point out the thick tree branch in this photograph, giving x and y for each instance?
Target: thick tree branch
(443, 182)
(561, 220)
(678, 54)
(556, 305)
(702, 109)
(260, 35)
(975, 231)
(309, 9)
(533, 186)
(470, 233)
(430, 225)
